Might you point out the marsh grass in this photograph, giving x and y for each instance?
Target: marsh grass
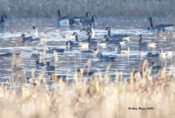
(102, 8)
(97, 98)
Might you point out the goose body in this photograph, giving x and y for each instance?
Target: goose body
(117, 36)
(105, 58)
(152, 44)
(62, 21)
(160, 27)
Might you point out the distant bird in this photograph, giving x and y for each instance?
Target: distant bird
(71, 44)
(3, 22)
(86, 22)
(160, 27)
(62, 21)
(85, 73)
(34, 32)
(146, 44)
(38, 64)
(51, 50)
(76, 21)
(28, 39)
(117, 36)
(49, 68)
(105, 58)
(122, 51)
(9, 54)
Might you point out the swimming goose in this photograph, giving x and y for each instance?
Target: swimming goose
(29, 38)
(38, 64)
(103, 58)
(160, 27)
(109, 40)
(36, 56)
(62, 21)
(9, 54)
(71, 44)
(3, 22)
(82, 43)
(51, 50)
(150, 54)
(152, 44)
(122, 51)
(167, 54)
(89, 30)
(85, 73)
(58, 77)
(117, 36)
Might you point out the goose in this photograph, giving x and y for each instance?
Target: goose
(118, 36)
(58, 77)
(71, 44)
(167, 54)
(50, 68)
(89, 30)
(122, 51)
(85, 73)
(3, 22)
(38, 64)
(29, 38)
(51, 50)
(155, 68)
(152, 44)
(86, 22)
(9, 54)
(109, 40)
(160, 27)
(34, 32)
(103, 58)
(36, 56)
(75, 21)
(150, 54)
(62, 21)
(82, 43)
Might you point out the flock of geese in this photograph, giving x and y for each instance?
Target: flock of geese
(88, 23)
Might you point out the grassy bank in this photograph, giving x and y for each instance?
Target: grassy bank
(98, 98)
(103, 8)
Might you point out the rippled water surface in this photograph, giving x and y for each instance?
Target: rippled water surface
(24, 66)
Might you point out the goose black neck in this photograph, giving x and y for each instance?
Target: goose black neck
(140, 40)
(151, 22)
(93, 19)
(76, 37)
(109, 32)
(59, 13)
(89, 38)
(87, 14)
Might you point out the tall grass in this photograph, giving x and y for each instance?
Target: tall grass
(98, 98)
(102, 8)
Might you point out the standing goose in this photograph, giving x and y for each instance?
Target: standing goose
(160, 27)
(86, 22)
(74, 21)
(3, 22)
(62, 21)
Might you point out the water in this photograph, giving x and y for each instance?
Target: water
(23, 66)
